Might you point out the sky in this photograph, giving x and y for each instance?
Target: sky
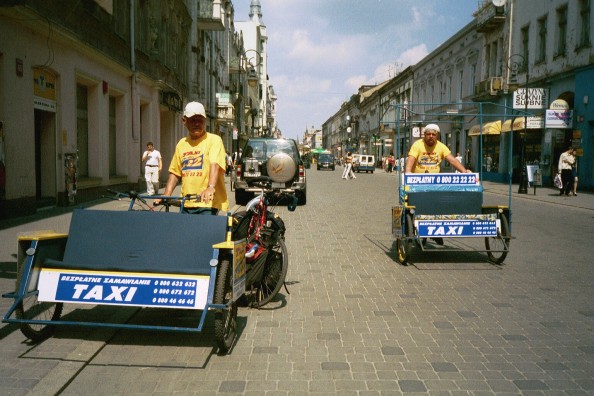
(321, 51)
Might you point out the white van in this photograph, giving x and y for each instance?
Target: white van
(363, 162)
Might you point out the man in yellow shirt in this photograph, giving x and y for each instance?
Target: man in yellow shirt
(426, 154)
(199, 161)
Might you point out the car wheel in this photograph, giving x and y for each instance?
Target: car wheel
(242, 197)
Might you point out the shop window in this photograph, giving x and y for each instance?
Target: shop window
(491, 153)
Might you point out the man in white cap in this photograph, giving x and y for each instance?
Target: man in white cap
(426, 154)
(199, 161)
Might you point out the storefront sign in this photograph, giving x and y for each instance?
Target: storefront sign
(44, 90)
(538, 98)
(559, 104)
(172, 100)
(536, 122)
(559, 119)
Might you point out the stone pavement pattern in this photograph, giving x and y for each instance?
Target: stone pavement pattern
(355, 321)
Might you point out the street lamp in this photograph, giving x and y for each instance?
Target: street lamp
(517, 63)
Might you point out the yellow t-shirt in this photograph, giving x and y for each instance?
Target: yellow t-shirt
(191, 161)
(427, 159)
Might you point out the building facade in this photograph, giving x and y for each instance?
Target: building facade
(79, 103)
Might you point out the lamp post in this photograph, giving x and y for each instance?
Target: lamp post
(254, 59)
(515, 63)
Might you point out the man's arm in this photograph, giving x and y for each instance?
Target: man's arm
(169, 187)
(213, 175)
(456, 164)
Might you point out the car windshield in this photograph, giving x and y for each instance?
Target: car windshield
(325, 157)
(264, 149)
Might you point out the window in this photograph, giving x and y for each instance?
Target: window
(525, 33)
(472, 79)
(82, 130)
(460, 85)
(584, 25)
(561, 31)
(112, 136)
(541, 50)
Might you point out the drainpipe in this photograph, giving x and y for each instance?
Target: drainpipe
(133, 86)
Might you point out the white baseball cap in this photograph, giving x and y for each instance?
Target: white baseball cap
(194, 108)
(433, 127)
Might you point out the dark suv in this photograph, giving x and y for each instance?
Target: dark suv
(325, 161)
(286, 169)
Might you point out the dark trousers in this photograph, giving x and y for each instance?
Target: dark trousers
(567, 179)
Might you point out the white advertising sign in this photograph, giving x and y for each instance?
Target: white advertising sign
(559, 119)
(538, 98)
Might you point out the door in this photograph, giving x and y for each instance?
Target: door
(45, 158)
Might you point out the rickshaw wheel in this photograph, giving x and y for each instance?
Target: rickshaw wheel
(498, 247)
(31, 308)
(404, 246)
(225, 321)
(273, 278)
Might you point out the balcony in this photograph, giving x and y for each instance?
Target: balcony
(225, 113)
(489, 17)
(211, 16)
(488, 88)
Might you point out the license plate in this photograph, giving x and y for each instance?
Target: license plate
(278, 185)
(252, 174)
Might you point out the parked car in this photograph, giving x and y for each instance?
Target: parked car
(254, 163)
(325, 161)
(363, 162)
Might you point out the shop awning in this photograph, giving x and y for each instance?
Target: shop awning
(489, 128)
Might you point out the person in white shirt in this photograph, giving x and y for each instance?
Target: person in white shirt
(566, 161)
(152, 168)
(460, 159)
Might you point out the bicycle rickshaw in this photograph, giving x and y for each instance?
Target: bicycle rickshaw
(110, 258)
(446, 206)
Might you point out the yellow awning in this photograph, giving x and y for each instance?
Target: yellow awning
(506, 126)
(490, 128)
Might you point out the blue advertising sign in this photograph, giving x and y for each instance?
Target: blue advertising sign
(134, 289)
(458, 179)
(456, 228)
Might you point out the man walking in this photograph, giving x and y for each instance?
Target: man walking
(152, 168)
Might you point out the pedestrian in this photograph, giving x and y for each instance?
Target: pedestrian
(402, 163)
(459, 158)
(152, 168)
(566, 161)
(199, 162)
(426, 154)
(229, 164)
(575, 174)
(391, 162)
(348, 167)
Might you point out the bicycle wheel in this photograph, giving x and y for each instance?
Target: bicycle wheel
(404, 246)
(225, 321)
(498, 246)
(33, 309)
(273, 277)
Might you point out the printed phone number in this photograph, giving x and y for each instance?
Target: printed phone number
(174, 292)
(175, 283)
(463, 179)
(173, 301)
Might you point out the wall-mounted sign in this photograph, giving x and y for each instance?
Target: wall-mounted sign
(538, 98)
(559, 119)
(559, 104)
(172, 100)
(44, 90)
